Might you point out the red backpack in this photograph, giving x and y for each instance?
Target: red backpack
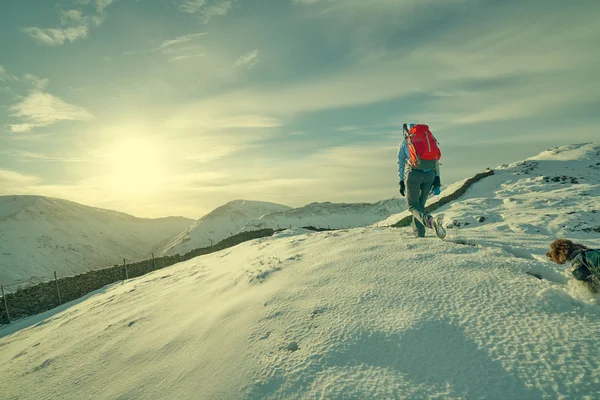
(422, 147)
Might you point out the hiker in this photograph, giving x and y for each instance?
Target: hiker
(585, 262)
(420, 151)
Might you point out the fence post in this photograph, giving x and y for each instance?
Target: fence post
(211, 242)
(153, 263)
(57, 289)
(178, 257)
(126, 272)
(5, 304)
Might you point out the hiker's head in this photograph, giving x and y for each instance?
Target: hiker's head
(561, 250)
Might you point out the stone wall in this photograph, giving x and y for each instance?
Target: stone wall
(406, 221)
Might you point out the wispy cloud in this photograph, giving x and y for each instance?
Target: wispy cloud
(212, 154)
(193, 118)
(4, 76)
(178, 40)
(248, 61)
(180, 58)
(32, 156)
(102, 4)
(37, 82)
(40, 109)
(74, 25)
(207, 9)
(170, 46)
(12, 182)
(56, 37)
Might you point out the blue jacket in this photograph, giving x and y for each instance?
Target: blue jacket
(404, 158)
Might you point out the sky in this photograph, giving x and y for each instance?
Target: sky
(174, 107)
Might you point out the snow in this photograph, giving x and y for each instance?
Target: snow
(40, 235)
(357, 313)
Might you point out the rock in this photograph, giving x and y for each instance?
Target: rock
(481, 219)
(293, 346)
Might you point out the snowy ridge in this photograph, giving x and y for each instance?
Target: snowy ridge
(359, 313)
(219, 224)
(332, 215)
(39, 235)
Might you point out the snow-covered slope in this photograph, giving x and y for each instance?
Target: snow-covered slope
(366, 313)
(39, 235)
(219, 224)
(332, 215)
(362, 313)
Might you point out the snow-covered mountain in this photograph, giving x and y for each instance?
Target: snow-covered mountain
(332, 215)
(39, 235)
(219, 224)
(357, 313)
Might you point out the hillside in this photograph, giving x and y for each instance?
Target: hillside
(39, 235)
(355, 313)
(332, 215)
(217, 225)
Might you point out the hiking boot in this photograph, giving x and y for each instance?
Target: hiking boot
(438, 225)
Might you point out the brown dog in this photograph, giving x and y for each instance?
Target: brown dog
(563, 250)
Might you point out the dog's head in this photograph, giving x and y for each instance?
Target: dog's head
(561, 250)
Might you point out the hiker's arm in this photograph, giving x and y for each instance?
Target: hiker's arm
(402, 150)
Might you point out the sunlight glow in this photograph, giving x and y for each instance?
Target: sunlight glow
(135, 165)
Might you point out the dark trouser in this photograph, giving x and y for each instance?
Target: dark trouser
(418, 186)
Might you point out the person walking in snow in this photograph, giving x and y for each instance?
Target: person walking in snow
(585, 262)
(419, 150)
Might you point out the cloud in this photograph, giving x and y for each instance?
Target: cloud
(192, 6)
(170, 46)
(12, 182)
(42, 109)
(180, 58)
(178, 40)
(213, 154)
(248, 61)
(4, 76)
(32, 156)
(74, 25)
(194, 118)
(207, 9)
(56, 37)
(102, 4)
(37, 82)
(533, 67)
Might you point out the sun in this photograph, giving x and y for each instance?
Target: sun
(135, 166)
